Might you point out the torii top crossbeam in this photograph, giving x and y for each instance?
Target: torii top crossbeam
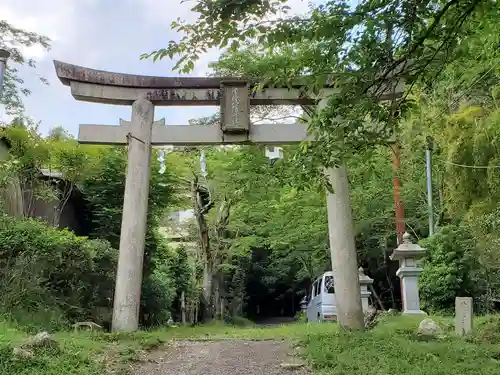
(115, 88)
(233, 95)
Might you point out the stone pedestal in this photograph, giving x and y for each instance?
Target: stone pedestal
(364, 282)
(407, 254)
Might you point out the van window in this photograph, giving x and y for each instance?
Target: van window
(329, 288)
(317, 290)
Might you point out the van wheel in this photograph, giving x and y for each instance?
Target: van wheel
(319, 317)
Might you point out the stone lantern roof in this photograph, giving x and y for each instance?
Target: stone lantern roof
(407, 249)
(363, 279)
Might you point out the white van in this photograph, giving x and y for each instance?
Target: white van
(322, 305)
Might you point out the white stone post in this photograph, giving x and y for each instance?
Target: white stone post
(407, 254)
(364, 281)
(133, 230)
(464, 315)
(343, 250)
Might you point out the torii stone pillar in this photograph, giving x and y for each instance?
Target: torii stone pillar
(135, 209)
(407, 254)
(235, 97)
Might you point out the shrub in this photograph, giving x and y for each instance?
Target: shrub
(450, 269)
(46, 271)
(158, 294)
(170, 276)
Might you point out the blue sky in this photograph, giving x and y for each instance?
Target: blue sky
(101, 34)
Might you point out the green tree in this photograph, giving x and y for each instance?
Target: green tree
(450, 269)
(362, 46)
(14, 39)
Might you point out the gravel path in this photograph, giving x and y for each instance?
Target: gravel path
(228, 357)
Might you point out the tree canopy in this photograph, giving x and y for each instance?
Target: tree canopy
(363, 50)
(15, 40)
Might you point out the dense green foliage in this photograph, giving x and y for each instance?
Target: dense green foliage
(78, 283)
(447, 54)
(363, 46)
(451, 269)
(51, 277)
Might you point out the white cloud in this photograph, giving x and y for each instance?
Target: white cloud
(55, 19)
(101, 35)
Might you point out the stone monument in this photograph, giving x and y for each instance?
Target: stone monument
(407, 254)
(463, 315)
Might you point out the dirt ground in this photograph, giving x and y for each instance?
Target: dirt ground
(228, 357)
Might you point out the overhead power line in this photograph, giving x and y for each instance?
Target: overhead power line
(468, 89)
(470, 166)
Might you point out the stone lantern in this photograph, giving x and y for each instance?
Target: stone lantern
(303, 304)
(407, 254)
(364, 281)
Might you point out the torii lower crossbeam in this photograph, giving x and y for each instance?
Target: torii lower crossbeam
(190, 135)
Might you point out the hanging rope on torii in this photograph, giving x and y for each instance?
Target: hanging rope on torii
(235, 96)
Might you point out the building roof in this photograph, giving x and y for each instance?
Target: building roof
(51, 173)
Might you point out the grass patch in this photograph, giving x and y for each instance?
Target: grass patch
(394, 348)
(220, 331)
(86, 353)
(391, 348)
(79, 353)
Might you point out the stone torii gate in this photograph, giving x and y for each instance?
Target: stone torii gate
(235, 96)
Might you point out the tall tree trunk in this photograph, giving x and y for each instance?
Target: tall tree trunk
(207, 291)
(201, 207)
(13, 197)
(183, 307)
(217, 299)
(219, 254)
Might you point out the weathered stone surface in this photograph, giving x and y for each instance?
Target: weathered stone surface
(120, 95)
(292, 365)
(407, 253)
(463, 315)
(371, 317)
(133, 230)
(42, 340)
(88, 325)
(69, 72)
(23, 353)
(171, 90)
(364, 281)
(182, 135)
(429, 327)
